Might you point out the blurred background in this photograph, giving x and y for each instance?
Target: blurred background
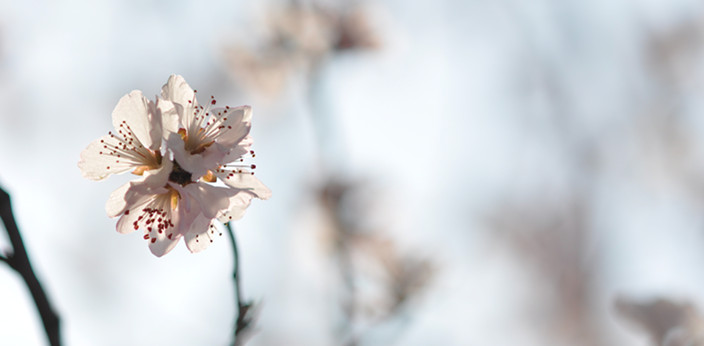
(443, 173)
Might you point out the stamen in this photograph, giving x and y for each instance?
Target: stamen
(128, 150)
(155, 216)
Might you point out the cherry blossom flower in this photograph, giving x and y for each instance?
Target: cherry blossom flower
(200, 137)
(135, 144)
(176, 197)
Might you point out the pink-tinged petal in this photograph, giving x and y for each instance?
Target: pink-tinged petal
(242, 148)
(116, 202)
(233, 124)
(238, 206)
(132, 213)
(178, 91)
(170, 118)
(188, 208)
(162, 245)
(245, 181)
(200, 236)
(130, 199)
(158, 177)
(97, 161)
(136, 113)
(211, 199)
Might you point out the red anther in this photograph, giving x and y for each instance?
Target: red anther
(254, 166)
(212, 102)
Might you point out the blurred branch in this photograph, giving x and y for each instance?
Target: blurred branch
(19, 261)
(365, 255)
(244, 317)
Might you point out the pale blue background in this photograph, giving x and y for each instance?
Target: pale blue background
(447, 118)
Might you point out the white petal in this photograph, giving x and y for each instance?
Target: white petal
(200, 236)
(238, 206)
(97, 164)
(132, 197)
(177, 90)
(241, 149)
(211, 199)
(234, 123)
(245, 181)
(138, 113)
(116, 202)
(163, 245)
(132, 211)
(170, 118)
(158, 177)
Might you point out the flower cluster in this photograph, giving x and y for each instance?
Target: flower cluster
(190, 159)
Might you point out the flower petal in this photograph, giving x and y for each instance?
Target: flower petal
(97, 162)
(200, 236)
(170, 119)
(162, 245)
(211, 199)
(178, 91)
(234, 124)
(241, 149)
(132, 212)
(116, 202)
(139, 114)
(237, 208)
(245, 181)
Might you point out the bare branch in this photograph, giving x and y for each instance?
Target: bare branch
(19, 261)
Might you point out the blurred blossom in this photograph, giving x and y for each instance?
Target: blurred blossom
(674, 52)
(668, 322)
(298, 38)
(552, 238)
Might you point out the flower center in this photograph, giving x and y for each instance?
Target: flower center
(195, 144)
(179, 175)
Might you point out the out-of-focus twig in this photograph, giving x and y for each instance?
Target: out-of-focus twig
(369, 255)
(668, 322)
(245, 317)
(19, 261)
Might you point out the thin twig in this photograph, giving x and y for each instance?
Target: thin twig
(19, 261)
(243, 320)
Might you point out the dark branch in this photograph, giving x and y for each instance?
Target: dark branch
(19, 261)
